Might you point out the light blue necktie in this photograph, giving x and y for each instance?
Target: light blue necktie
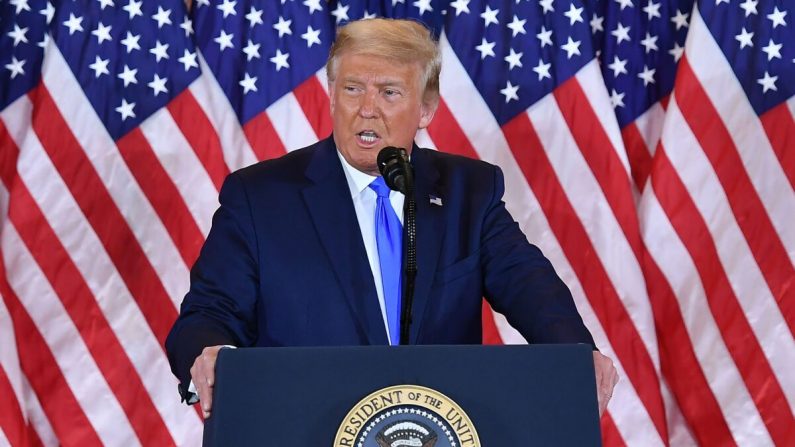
(389, 238)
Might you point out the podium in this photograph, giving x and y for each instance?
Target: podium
(428, 396)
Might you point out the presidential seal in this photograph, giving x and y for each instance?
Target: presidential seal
(406, 416)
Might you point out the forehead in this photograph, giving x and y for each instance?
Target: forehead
(365, 66)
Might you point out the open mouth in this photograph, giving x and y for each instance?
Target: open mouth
(368, 137)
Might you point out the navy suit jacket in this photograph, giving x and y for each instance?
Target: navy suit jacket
(285, 265)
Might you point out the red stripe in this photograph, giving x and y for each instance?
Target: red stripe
(162, 193)
(729, 317)
(447, 134)
(12, 421)
(314, 102)
(577, 247)
(609, 171)
(102, 213)
(262, 137)
(750, 213)
(201, 136)
(638, 154)
(491, 335)
(610, 434)
(779, 126)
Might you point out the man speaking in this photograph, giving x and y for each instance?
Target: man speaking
(305, 250)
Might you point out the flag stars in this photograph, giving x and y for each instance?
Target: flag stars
(224, 40)
(280, 60)
(621, 33)
(510, 92)
(104, 3)
(777, 17)
(283, 27)
(460, 6)
(773, 50)
(44, 41)
(15, 67)
(677, 51)
(647, 75)
(133, 8)
(619, 66)
(768, 82)
(489, 16)
(574, 14)
(100, 66)
(188, 60)
(252, 50)
(486, 48)
(18, 34)
(542, 69)
(547, 6)
(745, 38)
(163, 17)
(652, 10)
(102, 33)
(649, 43)
(616, 99)
(74, 24)
(48, 12)
(340, 13)
(625, 4)
(514, 59)
(313, 5)
(228, 8)
(128, 75)
(254, 17)
(545, 37)
(248, 83)
(311, 36)
(160, 51)
(21, 5)
(126, 109)
(517, 26)
(749, 6)
(158, 85)
(187, 26)
(597, 24)
(680, 19)
(571, 47)
(423, 5)
(131, 42)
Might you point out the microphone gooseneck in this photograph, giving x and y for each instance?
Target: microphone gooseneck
(393, 163)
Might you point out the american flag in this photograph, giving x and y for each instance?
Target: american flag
(646, 146)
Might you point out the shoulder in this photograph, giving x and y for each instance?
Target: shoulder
(287, 168)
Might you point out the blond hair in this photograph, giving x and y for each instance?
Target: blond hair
(406, 41)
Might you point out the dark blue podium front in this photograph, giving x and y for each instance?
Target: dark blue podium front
(536, 395)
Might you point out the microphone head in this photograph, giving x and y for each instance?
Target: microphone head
(392, 163)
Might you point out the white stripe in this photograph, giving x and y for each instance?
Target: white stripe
(746, 279)
(208, 93)
(423, 139)
(679, 434)
(321, 77)
(9, 357)
(37, 417)
(115, 175)
(590, 79)
(73, 357)
(594, 212)
(290, 123)
(112, 296)
(727, 95)
(791, 106)
(3, 439)
(650, 125)
(183, 166)
(482, 130)
(724, 379)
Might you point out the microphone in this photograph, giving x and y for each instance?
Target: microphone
(398, 174)
(393, 163)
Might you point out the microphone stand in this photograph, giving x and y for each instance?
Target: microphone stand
(409, 252)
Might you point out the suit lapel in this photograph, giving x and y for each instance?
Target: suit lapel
(328, 199)
(430, 233)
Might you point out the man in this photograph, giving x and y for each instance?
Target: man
(294, 256)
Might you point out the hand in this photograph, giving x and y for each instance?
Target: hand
(606, 379)
(203, 375)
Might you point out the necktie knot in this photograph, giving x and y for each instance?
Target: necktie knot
(379, 186)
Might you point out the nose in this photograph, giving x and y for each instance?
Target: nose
(369, 107)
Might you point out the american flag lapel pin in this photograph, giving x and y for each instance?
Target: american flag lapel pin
(435, 200)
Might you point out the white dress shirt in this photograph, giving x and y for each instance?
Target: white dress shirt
(364, 201)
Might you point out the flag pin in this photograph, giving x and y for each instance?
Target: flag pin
(435, 200)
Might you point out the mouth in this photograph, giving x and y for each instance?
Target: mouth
(368, 138)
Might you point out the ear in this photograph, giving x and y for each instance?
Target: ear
(427, 110)
(332, 96)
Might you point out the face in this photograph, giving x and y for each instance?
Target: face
(376, 102)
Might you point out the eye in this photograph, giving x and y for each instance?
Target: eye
(391, 92)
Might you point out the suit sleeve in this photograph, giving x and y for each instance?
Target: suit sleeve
(220, 307)
(522, 284)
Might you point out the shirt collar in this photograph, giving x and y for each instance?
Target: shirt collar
(358, 181)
